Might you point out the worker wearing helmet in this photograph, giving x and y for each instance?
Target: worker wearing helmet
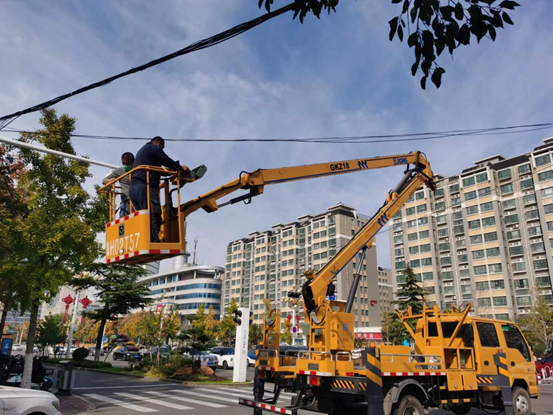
(151, 154)
(127, 160)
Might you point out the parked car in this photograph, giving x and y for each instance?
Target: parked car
(251, 357)
(163, 350)
(126, 353)
(92, 351)
(225, 356)
(545, 363)
(20, 401)
(17, 348)
(205, 358)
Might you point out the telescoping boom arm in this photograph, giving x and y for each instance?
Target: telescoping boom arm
(256, 181)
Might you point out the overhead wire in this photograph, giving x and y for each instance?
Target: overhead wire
(196, 46)
(361, 139)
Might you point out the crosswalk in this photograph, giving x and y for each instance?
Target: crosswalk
(191, 399)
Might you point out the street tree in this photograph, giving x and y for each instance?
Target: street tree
(118, 288)
(51, 331)
(130, 324)
(157, 327)
(410, 294)
(52, 234)
(430, 26)
(255, 334)
(227, 328)
(537, 323)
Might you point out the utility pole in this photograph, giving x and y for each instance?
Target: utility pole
(71, 326)
(195, 250)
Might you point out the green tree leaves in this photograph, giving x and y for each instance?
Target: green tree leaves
(434, 27)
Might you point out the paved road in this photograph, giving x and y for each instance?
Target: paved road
(121, 395)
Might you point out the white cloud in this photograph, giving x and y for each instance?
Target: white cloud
(336, 76)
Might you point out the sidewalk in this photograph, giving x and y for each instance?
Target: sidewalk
(73, 405)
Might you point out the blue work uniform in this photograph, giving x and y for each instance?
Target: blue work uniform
(150, 155)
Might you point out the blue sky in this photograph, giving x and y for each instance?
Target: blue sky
(339, 75)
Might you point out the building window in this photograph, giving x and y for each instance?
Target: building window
(454, 188)
(497, 284)
(492, 252)
(421, 208)
(531, 214)
(438, 206)
(485, 302)
(486, 191)
(546, 175)
(500, 301)
(525, 168)
(425, 248)
(516, 250)
(410, 211)
(486, 207)
(470, 195)
(412, 250)
(542, 160)
(476, 239)
(469, 181)
(509, 204)
(439, 192)
(506, 189)
(511, 219)
(441, 219)
(458, 230)
(482, 286)
(518, 266)
(444, 246)
(472, 210)
(412, 236)
(488, 221)
(424, 234)
(529, 199)
(527, 184)
(482, 177)
(455, 201)
(534, 231)
(445, 260)
(547, 192)
(513, 235)
(504, 174)
(415, 263)
(495, 268)
(442, 233)
(474, 224)
(479, 270)
(478, 254)
(540, 264)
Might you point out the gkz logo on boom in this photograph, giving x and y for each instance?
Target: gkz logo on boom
(400, 160)
(383, 220)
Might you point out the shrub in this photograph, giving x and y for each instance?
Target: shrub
(80, 354)
(206, 371)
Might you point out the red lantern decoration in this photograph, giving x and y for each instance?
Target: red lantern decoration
(85, 303)
(68, 301)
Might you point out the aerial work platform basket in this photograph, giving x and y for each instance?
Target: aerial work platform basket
(128, 238)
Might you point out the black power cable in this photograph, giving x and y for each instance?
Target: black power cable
(363, 139)
(199, 45)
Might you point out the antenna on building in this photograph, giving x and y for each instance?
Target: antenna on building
(195, 250)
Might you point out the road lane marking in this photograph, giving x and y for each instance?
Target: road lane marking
(218, 390)
(117, 402)
(154, 401)
(180, 398)
(123, 387)
(203, 395)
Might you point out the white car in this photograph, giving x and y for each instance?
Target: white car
(17, 401)
(225, 355)
(17, 348)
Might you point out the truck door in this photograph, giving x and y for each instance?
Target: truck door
(519, 358)
(486, 346)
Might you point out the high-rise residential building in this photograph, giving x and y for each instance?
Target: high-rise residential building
(186, 287)
(485, 236)
(385, 290)
(269, 264)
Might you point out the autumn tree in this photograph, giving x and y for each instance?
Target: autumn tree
(430, 26)
(255, 334)
(119, 289)
(87, 331)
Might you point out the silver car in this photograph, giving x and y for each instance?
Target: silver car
(20, 401)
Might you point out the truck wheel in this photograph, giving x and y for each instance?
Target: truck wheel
(461, 410)
(521, 401)
(409, 405)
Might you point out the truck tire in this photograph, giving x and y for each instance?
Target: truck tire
(521, 401)
(409, 405)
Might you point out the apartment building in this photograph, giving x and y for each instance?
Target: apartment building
(385, 290)
(485, 236)
(269, 264)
